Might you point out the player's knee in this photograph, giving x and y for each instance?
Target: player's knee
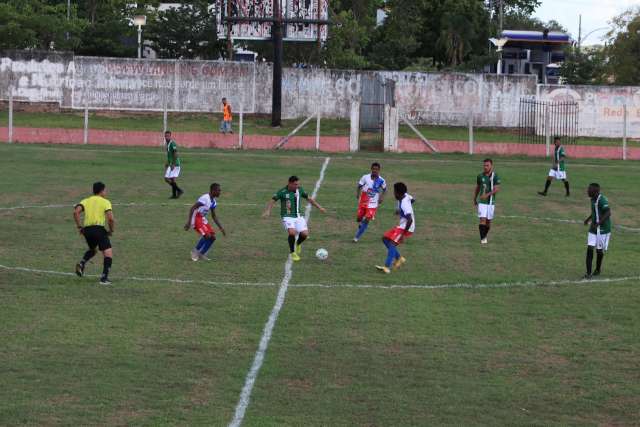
(108, 253)
(599, 251)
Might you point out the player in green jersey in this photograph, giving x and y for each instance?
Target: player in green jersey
(558, 170)
(599, 228)
(487, 185)
(292, 219)
(172, 166)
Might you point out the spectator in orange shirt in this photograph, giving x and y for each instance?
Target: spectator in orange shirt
(225, 126)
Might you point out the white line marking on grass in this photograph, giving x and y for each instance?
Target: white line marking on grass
(540, 283)
(139, 279)
(245, 395)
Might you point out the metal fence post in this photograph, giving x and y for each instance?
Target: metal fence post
(85, 136)
(165, 118)
(471, 141)
(241, 126)
(10, 114)
(624, 132)
(318, 130)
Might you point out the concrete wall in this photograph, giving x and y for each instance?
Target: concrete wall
(601, 108)
(442, 99)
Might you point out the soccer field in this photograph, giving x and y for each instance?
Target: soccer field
(506, 333)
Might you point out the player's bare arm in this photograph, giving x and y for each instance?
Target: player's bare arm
(111, 222)
(381, 197)
(315, 204)
(267, 211)
(358, 191)
(195, 206)
(475, 195)
(76, 217)
(214, 217)
(588, 220)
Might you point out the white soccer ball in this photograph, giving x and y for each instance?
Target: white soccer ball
(322, 254)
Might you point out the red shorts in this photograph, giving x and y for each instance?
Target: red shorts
(203, 228)
(396, 233)
(366, 212)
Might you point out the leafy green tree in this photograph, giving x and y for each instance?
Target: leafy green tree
(463, 30)
(35, 24)
(188, 31)
(585, 66)
(346, 42)
(110, 31)
(624, 50)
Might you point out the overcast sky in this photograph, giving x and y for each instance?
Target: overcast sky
(595, 14)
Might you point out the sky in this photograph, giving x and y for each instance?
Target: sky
(595, 14)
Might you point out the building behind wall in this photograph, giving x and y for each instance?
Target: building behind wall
(534, 52)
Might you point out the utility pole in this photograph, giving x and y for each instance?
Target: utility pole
(501, 3)
(579, 31)
(276, 34)
(66, 36)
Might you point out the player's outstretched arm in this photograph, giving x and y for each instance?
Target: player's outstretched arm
(267, 211)
(110, 221)
(314, 203)
(214, 217)
(76, 217)
(195, 206)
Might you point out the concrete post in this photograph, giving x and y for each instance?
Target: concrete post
(10, 114)
(85, 136)
(241, 127)
(471, 141)
(386, 142)
(394, 126)
(624, 132)
(354, 135)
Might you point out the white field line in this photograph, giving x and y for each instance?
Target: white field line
(199, 152)
(532, 283)
(222, 204)
(245, 395)
(139, 279)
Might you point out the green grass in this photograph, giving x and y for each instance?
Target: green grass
(256, 125)
(157, 352)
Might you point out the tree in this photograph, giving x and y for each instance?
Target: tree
(624, 50)
(110, 31)
(35, 24)
(463, 30)
(346, 42)
(585, 66)
(188, 31)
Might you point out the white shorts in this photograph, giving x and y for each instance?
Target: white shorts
(299, 224)
(599, 241)
(486, 211)
(172, 173)
(557, 174)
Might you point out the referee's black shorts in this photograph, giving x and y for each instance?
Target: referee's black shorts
(96, 235)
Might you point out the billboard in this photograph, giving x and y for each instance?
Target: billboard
(263, 9)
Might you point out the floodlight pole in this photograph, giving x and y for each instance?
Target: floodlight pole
(276, 33)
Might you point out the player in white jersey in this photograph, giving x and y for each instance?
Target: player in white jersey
(394, 237)
(198, 221)
(370, 192)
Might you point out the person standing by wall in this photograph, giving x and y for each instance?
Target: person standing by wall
(225, 126)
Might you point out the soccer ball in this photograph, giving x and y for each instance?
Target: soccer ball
(322, 254)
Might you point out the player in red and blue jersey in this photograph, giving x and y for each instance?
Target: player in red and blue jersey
(198, 221)
(370, 192)
(395, 236)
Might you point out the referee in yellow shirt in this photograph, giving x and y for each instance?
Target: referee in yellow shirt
(97, 213)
